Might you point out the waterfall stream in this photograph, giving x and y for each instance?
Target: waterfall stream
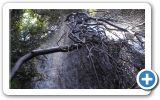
(74, 70)
(57, 70)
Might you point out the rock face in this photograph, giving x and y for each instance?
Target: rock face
(111, 66)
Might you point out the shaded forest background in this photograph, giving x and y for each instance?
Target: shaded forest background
(115, 67)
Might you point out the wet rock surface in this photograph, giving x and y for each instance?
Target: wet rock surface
(113, 65)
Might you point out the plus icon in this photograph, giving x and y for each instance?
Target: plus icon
(147, 79)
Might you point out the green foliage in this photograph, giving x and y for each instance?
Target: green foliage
(27, 32)
(92, 12)
(31, 23)
(14, 83)
(25, 35)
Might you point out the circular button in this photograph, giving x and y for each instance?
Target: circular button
(147, 79)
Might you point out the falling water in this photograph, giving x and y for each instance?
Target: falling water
(71, 69)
